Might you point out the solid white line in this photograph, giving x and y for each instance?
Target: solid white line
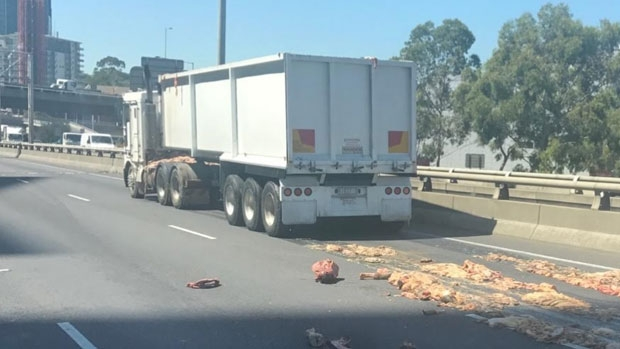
(531, 254)
(77, 197)
(23, 181)
(192, 232)
(4, 270)
(77, 337)
(104, 176)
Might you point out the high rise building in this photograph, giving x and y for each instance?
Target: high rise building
(64, 59)
(33, 24)
(8, 17)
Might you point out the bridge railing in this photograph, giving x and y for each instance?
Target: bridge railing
(67, 149)
(603, 187)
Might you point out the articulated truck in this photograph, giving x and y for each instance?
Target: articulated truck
(278, 141)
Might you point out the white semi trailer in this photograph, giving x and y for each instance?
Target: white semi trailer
(281, 140)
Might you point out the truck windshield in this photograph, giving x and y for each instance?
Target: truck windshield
(15, 137)
(102, 139)
(72, 139)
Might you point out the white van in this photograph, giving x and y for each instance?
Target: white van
(71, 138)
(97, 141)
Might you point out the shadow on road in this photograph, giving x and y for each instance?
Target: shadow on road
(282, 329)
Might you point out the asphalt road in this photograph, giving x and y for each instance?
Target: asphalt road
(83, 265)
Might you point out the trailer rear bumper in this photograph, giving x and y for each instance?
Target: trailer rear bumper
(387, 199)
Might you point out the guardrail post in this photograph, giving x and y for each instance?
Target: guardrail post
(602, 201)
(427, 184)
(501, 192)
(576, 191)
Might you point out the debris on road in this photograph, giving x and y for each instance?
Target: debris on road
(426, 260)
(204, 283)
(183, 159)
(407, 345)
(380, 274)
(325, 271)
(554, 299)
(374, 260)
(317, 340)
(431, 312)
(605, 282)
(354, 250)
(546, 332)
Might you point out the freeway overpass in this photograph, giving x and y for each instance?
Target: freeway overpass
(62, 103)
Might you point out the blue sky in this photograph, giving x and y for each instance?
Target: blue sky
(129, 29)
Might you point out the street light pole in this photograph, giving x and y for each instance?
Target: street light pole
(30, 98)
(166, 41)
(222, 34)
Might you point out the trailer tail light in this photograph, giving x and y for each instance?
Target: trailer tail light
(288, 192)
(397, 191)
(388, 191)
(297, 191)
(406, 190)
(308, 191)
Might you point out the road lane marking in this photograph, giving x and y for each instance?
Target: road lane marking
(78, 197)
(77, 337)
(531, 254)
(23, 181)
(4, 270)
(192, 232)
(104, 176)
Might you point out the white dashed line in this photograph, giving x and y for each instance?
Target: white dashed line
(192, 232)
(78, 197)
(22, 181)
(77, 337)
(4, 270)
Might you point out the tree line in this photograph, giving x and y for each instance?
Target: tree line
(548, 95)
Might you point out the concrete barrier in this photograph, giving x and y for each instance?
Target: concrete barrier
(580, 227)
(73, 161)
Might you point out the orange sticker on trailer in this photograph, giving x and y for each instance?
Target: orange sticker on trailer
(398, 142)
(303, 141)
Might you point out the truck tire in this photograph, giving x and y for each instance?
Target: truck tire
(135, 190)
(271, 211)
(177, 192)
(161, 185)
(251, 206)
(231, 196)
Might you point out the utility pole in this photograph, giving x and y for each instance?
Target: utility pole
(222, 34)
(30, 99)
(166, 41)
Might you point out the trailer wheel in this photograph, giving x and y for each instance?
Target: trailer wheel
(251, 205)
(135, 190)
(231, 195)
(177, 192)
(161, 185)
(271, 211)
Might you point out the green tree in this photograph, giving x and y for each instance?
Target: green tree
(441, 55)
(549, 86)
(109, 71)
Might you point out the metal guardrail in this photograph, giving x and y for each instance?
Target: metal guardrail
(604, 187)
(67, 149)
